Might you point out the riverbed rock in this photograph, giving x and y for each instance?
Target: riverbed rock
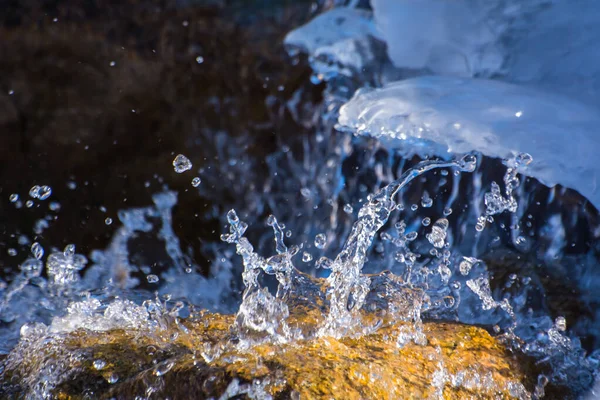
(205, 357)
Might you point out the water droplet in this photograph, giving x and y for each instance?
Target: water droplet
(426, 201)
(108, 221)
(31, 267)
(447, 211)
(320, 241)
(182, 164)
(29, 203)
(437, 237)
(71, 185)
(44, 192)
(12, 252)
(14, 198)
(466, 264)
(37, 250)
(288, 234)
(324, 263)
(305, 192)
(112, 378)
(69, 250)
(520, 240)
(196, 182)
(561, 323)
(164, 367)
(348, 209)
(410, 236)
(426, 221)
(199, 59)
(480, 223)
(306, 257)
(467, 163)
(414, 207)
(112, 63)
(34, 191)
(54, 206)
(99, 364)
(152, 278)
(399, 256)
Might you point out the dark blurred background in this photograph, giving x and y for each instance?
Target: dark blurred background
(97, 97)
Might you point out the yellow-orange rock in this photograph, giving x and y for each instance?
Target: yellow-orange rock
(179, 362)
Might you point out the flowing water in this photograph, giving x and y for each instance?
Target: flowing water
(463, 238)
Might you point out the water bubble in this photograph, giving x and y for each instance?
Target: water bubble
(199, 59)
(152, 278)
(196, 182)
(29, 204)
(320, 241)
(306, 257)
(13, 198)
(112, 63)
(288, 234)
(426, 221)
(520, 240)
(37, 250)
(54, 206)
(414, 207)
(12, 252)
(181, 164)
(72, 185)
(108, 221)
(348, 209)
(447, 211)
(99, 364)
(426, 201)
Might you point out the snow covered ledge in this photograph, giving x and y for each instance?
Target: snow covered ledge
(442, 115)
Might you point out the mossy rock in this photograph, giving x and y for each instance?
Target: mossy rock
(203, 357)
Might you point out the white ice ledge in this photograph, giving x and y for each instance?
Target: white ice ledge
(441, 115)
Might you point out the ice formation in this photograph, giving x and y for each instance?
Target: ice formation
(542, 43)
(447, 37)
(444, 115)
(339, 36)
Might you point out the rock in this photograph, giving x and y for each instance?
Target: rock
(204, 357)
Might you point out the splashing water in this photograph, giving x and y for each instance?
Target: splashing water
(439, 269)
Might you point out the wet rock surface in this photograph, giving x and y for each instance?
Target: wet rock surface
(457, 362)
